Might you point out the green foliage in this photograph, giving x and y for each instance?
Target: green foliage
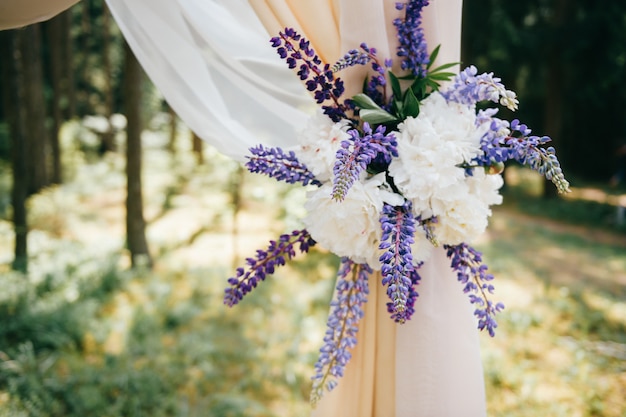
(405, 103)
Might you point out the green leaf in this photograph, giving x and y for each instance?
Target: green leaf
(376, 117)
(395, 85)
(433, 56)
(397, 107)
(363, 101)
(418, 88)
(444, 66)
(411, 104)
(441, 76)
(433, 85)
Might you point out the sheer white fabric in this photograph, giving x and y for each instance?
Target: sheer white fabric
(212, 61)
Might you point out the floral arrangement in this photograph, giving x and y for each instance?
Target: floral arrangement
(399, 169)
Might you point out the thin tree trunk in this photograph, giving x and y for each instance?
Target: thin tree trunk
(197, 148)
(108, 142)
(135, 223)
(554, 84)
(69, 79)
(171, 144)
(54, 29)
(13, 100)
(36, 136)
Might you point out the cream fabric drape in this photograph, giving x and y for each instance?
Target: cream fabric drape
(18, 13)
(431, 365)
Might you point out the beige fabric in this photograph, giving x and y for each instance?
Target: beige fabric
(317, 19)
(18, 13)
(431, 365)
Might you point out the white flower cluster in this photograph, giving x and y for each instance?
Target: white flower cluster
(432, 147)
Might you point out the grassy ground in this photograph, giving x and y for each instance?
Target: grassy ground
(83, 336)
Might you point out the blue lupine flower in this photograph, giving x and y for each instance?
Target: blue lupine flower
(504, 141)
(342, 326)
(320, 80)
(467, 262)
(279, 165)
(265, 263)
(469, 88)
(412, 42)
(355, 155)
(398, 270)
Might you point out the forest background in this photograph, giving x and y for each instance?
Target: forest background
(119, 228)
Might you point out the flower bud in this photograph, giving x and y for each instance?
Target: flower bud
(495, 168)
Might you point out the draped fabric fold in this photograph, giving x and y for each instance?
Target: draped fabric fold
(212, 61)
(214, 65)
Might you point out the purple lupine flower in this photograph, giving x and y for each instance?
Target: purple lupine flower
(412, 42)
(504, 141)
(398, 226)
(279, 165)
(375, 87)
(469, 88)
(355, 57)
(318, 79)
(472, 273)
(410, 302)
(355, 155)
(342, 326)
(264, 263)
(491, 144)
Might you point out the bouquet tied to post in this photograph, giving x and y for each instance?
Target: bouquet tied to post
(397, 170)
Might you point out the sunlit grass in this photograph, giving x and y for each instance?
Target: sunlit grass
(88, 337)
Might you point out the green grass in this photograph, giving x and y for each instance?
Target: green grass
(83, 336)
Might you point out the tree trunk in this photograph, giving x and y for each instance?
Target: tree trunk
(554, 84)
(69, 79)
(197, 148)
(54, 30)
(11, 75)
(171, 144)
(37, 143)
(108, 139)
(135, 223)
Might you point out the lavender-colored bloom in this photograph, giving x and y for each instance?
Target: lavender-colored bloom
(504, 141)
(318, 79)
(472, 273)
(398, 271)
(264, 263)
(526, 149)
(412, 43)
(342, 326)
(355, 57)
(469, 88)
(355, 155)
(282, 166)
(411, 298)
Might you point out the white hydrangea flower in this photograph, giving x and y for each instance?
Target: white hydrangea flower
(463, 209)
(352, 227)
(486, 187)
(318, 144)
(431, 146)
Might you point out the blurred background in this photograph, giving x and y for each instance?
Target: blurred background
(119, 228)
